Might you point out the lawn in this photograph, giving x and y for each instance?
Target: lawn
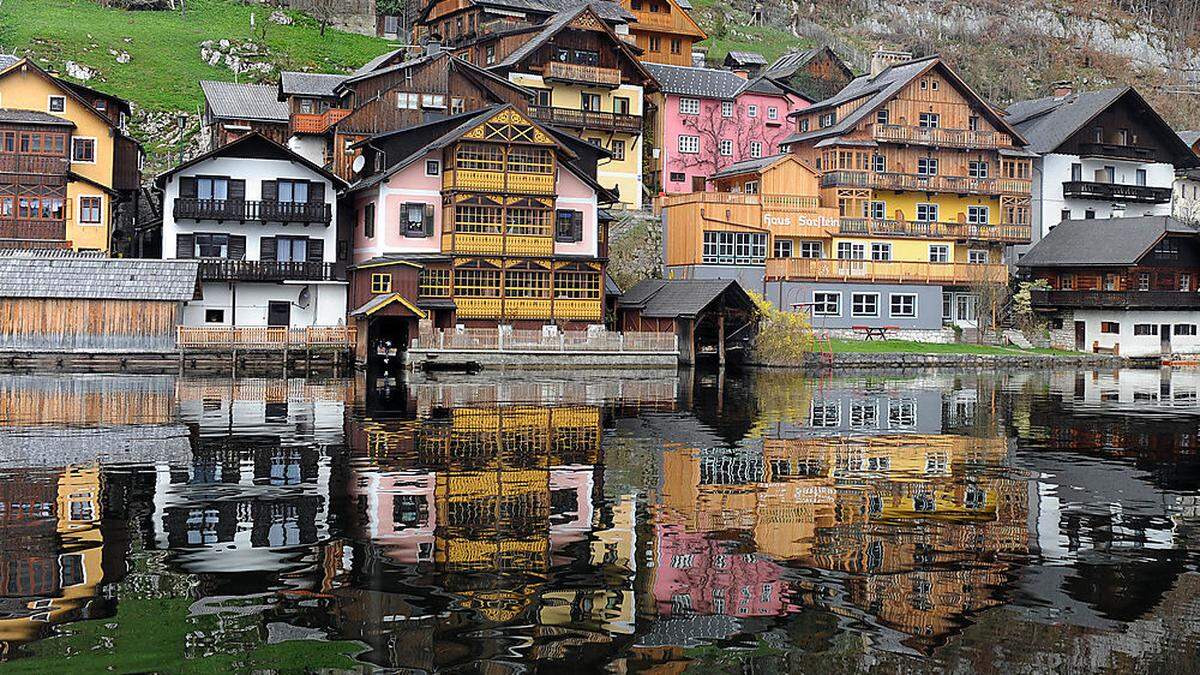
(911, 347)
(164, 47)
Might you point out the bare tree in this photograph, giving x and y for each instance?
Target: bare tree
(713, 127)
(324, 11)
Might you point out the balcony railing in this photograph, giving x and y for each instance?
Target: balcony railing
(911, 181)
(264, 337)
(940, 137)
(587, 119)
(590, 75)
(1116, 150)
(13, 228)
(812, 269)
(34, 164)
(1066, 299)
(263, 270)
(1086, 189)
(317, 123)
(244, 211)
(492, 339)
(1007, 233)
(496, 181)
(773, 202)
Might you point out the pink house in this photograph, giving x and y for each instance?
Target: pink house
(709, 119)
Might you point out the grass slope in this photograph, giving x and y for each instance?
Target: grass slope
(738, 34)
(165, 65)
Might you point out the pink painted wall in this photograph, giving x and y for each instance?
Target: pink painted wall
(408, 185)
(575, 195)
(401, 541)
(710, 125)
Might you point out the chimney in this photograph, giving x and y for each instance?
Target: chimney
(698, 56)
(1063, 88)
(433, 45)
(882, 59)
(742, 73)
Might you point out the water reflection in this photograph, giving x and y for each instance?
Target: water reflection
(636, 522)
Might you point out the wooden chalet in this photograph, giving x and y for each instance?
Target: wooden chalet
(234, 110)
(664, 30)
(708, 316)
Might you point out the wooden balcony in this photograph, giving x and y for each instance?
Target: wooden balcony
(497, 244)
(1006, 233)
(939, 137)
(260, 270)
(577, 73)
(252, 211)
(1116, 151)
(871, 271)
(1066, 299)
(317, 123)
(587, 119)
(477, 308)
(264, 337)
(1086, 189)
(42, 230)
(473, 180)
(40, 165)
(910, 181)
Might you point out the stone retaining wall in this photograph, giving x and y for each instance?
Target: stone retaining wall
(844, 361)
(942, 336)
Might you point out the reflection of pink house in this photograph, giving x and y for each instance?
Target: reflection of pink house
(570, 505)
(709, 119)
(401, 512)
(697, 575)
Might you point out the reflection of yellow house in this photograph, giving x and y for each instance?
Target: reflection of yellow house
(81, 548)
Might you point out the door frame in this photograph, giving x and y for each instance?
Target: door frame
(1081, 336)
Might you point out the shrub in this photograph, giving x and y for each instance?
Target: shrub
(783, 337)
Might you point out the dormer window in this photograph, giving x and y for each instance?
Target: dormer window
(100, 104)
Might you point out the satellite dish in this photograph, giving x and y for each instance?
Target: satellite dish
(359, 163)
(303, 301)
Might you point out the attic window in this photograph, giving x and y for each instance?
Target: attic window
(100, 104)
(58, 104)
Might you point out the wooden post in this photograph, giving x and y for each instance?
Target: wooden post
(721, 334)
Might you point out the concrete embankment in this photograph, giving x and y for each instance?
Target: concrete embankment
(564, 361)
(905, 361)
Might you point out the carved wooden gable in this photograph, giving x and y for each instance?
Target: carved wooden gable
(509, 126)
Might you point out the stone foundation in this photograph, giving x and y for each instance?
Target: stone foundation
(934, 336)
(1063, 338)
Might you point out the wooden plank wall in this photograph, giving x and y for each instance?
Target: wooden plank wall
(97, 325)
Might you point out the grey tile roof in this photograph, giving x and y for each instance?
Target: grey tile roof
(1103, 241)
(1190, 137)
(32, 117)
(258, 102)
(746, 58)
(610, 286)
(309, 84)
(748, 165)
(605, 9)
(1048, 122)
(34, 276)
(674, 298)
(701, 82)
(7, 60)
(764, 85)
(789, 63)
(378, 61)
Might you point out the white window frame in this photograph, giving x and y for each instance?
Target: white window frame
(973, 254)
(944, 250)
(836, 295)
(778, 244)
(756, 149)
(977, 168)
(726, 108)
(902, 315)
(435, 165)
(752, 110)
(689, 106)
(927, 166)
(929, 120)
(89, 223)
(806, 247)
(408, 101)
(978, 215)
(692, 146)
(877, 209)
(853, 301)
(929, 208)
(881, 251)
(772, 113)
(95, 149)
(726, 147)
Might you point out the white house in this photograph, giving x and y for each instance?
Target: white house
(1102, 154)
(263, 221)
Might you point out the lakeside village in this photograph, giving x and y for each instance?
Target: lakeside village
(452, 203)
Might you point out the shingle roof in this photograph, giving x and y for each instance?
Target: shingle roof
(557, 23)
(7, 60)
(1048, 122)
(33, 276)
(245, 101)
(702, 82)
(32, 117)
(1190, 137)
(746, 58)
(309, 84)
(605, 9)
(1103, 241)
(789, 63)
(377, 61)
(748, 165)
(674, 298)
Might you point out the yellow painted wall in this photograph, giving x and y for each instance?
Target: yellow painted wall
(626, 175)
(29, 90)
(906, 249)
(949, 205)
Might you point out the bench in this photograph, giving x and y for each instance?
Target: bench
(875, 332)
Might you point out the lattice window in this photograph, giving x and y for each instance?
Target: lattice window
(529, 221)
(577, 285)
(527, 284)
(530, 160)
(477, 283)
(435, 282)
(478, 219)
(479, 156)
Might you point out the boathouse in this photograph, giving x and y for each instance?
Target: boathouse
(77, 302)
(707, 315)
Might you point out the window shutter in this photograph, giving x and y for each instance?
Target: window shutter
(267, 250)
(270, 191)
(187, 187)
(577, 225)
(316, 251)
(428, 220)
(237, 190)
(237, 247)
(185, 246)
(316, 193)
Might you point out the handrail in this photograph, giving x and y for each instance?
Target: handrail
(264, 337)
(912, 181)
(265, 270)
(881, 270)
(941, 136)
(253, 210)
(520, 340)
(1006, 232)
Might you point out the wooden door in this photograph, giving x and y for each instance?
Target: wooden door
(1080, 336)
(1164, 337)
(279, 314)
(698, 183)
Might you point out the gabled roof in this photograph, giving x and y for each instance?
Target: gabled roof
(466, 67)
(681, 298)
(1049, 122)
(791, 62)
(253, 145)
(743, 58)
(7, 66)
(755, 165)
(255, 102)
(712, 83)
(378, 61)
(12, 116)
(379, 302)
(85, 277)
(875, 91)
(1114, 242)
(293, 83)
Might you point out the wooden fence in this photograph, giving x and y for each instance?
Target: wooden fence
(492, 339)
(265, 337)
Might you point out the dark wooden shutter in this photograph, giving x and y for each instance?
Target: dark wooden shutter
(270, 190)
(237, 247)
(316, 251)
(577, 225)
(316, 193)
(185, 246)
(267, 251)
(428, 222)
(237, 190)
(187, 188)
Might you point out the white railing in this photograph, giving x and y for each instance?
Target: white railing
(513, 340)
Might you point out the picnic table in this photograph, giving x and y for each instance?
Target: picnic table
(875, 332)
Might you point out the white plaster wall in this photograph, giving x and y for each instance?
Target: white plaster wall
(1185, 203)
(1055, 169)
(326, 306)
(309, 147)
(1137, 345)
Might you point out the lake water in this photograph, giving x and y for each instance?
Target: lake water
(760, 522)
